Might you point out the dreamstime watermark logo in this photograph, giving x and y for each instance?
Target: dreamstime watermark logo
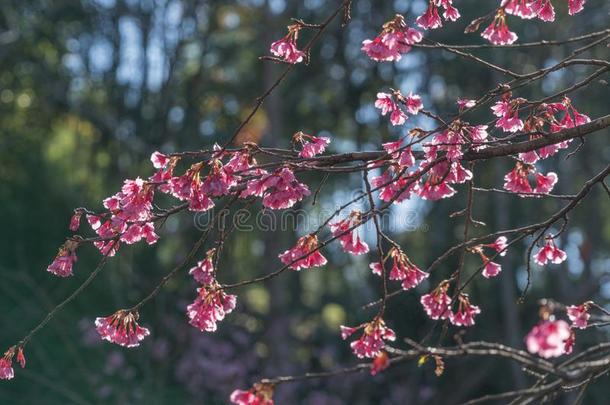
(303, 220)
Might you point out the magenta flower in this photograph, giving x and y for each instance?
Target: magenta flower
(279, 189)
(121, 328)
(430, 19)
(75, 220)
(497, 32)
(520, 8)
(211, 306)
(575, 6)
(203, 273)
(259, 394)
(579, 315)
(286, 48)
(376, 268)
(350, 239)
(491, 269)
(465, 313)
(372, 340)
(544, 9)
(404, 270)
(499, 245)
(393, 41)
(436, 304)
(550, 253)
(549, 339)
(65, 259)
(312, 145)
(218, 182)
(306, 246)
(6, 364)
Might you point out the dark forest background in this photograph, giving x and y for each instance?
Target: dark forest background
(88, 89)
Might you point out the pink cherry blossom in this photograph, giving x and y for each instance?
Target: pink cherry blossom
(499, 245)
(394, 40)
(121, 328)
(575, 6)
(376, 268)
(548, 339)
(507, 110)
(203, 273)
(436, 304)
(404, 270)
(279, 189)
(579, 315)
(305, 246)
(312, 145)
(430, 19)
(218, 182)
(464, 103)
(380, 363)
(544, 9)
(491, 269)
(392, 188)
(550, 253)
(259, 394)
(466, 312)
(75, 220)
(385, 103)
(372, 339)
(349, 238)
(65, 259)
(497, 32)
(520, 8)
(211, 306)
(21, 357)
(347, 331)
(413, 103)
(6, 365)
(545, 183)
(286, 48)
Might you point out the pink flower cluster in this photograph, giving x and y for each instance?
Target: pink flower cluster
(466, 312)
(491, 269)
(550, 253)
(394, 40)
(311, 145)
(211, 306)
(286, 48)
(517, 180)
(279, 189)
(259, 394)
(404, 270)
(497, 32)
(579, 314)
(304, 254)
(6, 362)
(346, 231)
(65, 259)
(437, 303)
(411, 103)
(550, 339)
(372, 340)
(203, 273)
(121, 328)
(380, 363)
(431, 18)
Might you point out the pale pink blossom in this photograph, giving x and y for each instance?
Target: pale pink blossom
(465, 103)
(579, 315)
(385, 103)
(413, 103)
(304, 254)
(548, 339)
(550, 253)
(121, 328)
(499, 245)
